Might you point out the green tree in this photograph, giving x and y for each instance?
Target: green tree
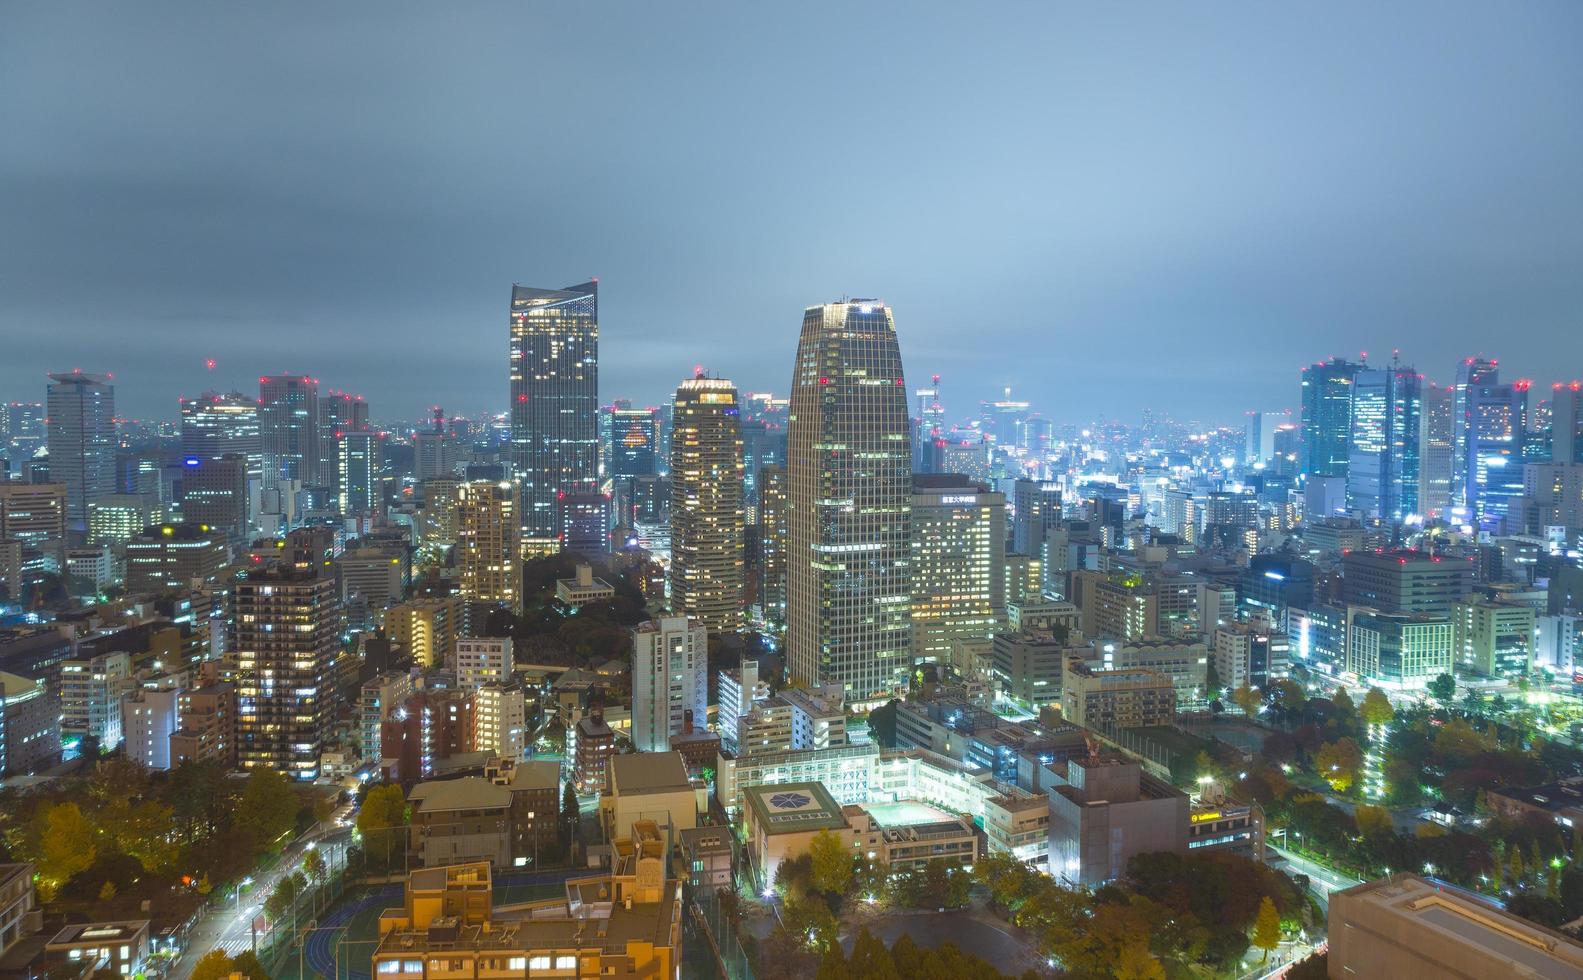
(268, 807)
(248, 965)
(1343, 702)
(571, 814)
(107, 891)
(313, 864)
(832, 863)
(1443, 688)
(1267, 927)
(1377, 708)
(214, 965)
(1247, 699)
(64, 844)
(379, 821)
(1211, 680)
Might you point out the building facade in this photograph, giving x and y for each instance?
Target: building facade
(706, 504)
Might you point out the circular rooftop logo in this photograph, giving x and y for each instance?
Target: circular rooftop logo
(790, 801)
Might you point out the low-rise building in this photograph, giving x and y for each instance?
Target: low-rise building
(90, 697)
(1561, 802)
(460, 820)
(1105, 811)
(709, 857)
(1108, 700)
(1492, 637)
(1019, 825)
(582, 588)
(149, 717)
(483, 660)
(1404, 926)
(175, 556)
(535, 789)
(206, 726)
(1026, 667)
(625, 924)
(29, 726)
(119, 947)
(596, 744)
(18, 903)
(1216, 822)
(649, 786)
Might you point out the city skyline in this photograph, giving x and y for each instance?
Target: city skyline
(1321, 196)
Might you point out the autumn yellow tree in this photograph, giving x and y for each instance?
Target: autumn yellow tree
(63, 844)
(1267, 927)
(1339, 763)
(832, 863)
(1377, 708)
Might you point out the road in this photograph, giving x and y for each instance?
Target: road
(1322, 880)
(229, 927)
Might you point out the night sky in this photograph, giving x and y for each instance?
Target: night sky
(1106, 206)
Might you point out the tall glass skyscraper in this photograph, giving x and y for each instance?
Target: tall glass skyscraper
(554, 402)
(1497, 423)
(706, 504)
(1383, 470)
(1327, 417)
(80, 429)
(1436, 434)
(215, 425)
(849, 498)
(1473, 371)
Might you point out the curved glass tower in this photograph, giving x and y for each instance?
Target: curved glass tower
(849, 501)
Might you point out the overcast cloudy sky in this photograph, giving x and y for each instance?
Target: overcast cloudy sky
(1106, 206)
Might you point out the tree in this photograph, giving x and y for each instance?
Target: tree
(832, 863)
(1247, 699)
(1443, 688)
(1137, 963)
(383, 813)
(1377, 708)
(313, 864)
(571, 814)
(107, 891)
(1373, 819)
(214, 965)
(248, 965)
(65, 845)
(268, 807)
(882, 724)
(1343, 702)
(1339, 763)
(1267, 927)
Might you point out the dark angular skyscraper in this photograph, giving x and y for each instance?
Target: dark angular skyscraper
(849, 497)
(288, 428)
(554, 402)
(81, 433)
(1492, 464)
(1327, 417)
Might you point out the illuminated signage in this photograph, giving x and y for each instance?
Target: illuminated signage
(967, 499)
(1206, 817)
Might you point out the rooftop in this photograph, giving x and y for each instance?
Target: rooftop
(649, 772)
(1459, 920)
(467, 793)
(99, 932)
(792, 808)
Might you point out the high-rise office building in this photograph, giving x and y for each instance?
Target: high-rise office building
(958, 564)
(849, 499)
(1436, 439)
(488, 557)
(1471, 372)
(285, 638)
(554, 400)
(773, 544)
(434, 450)
(1383, 461)
(582, 523)
(339, 413)
(1036, 507)
(175, 556)
(1566, 422)
(706, 504)
(631, 438)
(357, 472)
(22, 433)
(763, 444)
(1497, 424)
(82, 441)
(34, 513)
(1326, 436)
(215, 425)
(288, 428)
(670, 680)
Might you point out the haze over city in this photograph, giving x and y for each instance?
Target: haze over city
(1093, 206)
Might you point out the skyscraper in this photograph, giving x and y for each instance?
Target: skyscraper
(339, 413)
(288, 428)
(1327, 417)
(82, 441)
(958, 563)
(1036, 507)
(849, 498)
(1383, 462)
(286, 635)
(1471, 372)
(772, 543)
(1436, 435)
(554, 401)
(215, 425)
(706, 504)
(632, 438)
(1497, 424)
(488, 560)
(357, 481)
(1566, 423)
